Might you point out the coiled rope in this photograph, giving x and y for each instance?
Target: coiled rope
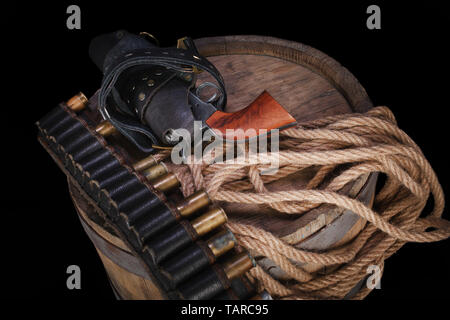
(365, 143)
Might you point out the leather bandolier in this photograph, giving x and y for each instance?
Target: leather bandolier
(188, 258)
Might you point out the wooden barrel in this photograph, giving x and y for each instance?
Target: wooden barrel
(308, 84)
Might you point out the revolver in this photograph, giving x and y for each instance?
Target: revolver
(149, 92)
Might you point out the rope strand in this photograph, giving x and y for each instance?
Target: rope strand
(364, 143)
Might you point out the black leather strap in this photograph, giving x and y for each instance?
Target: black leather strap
(204, 285)
(187, 263)
(174, 239)
(173, 59)
(132, 129)
(139, 215)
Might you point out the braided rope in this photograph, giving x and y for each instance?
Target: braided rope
(365, 143)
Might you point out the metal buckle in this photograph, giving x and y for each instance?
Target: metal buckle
(143, 33)
(182, 45)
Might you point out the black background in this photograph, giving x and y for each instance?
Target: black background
(404, 65)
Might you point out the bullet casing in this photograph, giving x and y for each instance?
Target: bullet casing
(209, 221)
(105, 128)
(193, 203)
(166, 182)
(155, 171)
(221, 243)
(77, 102)
(238, 265)
(145, 163)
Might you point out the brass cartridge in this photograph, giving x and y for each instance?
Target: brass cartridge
(166, 182)
(105, 128)
(145, 163)
(238, 265)
(155, 171)
(193, 203)
(209, 221)
(77, 102)
(221, 242)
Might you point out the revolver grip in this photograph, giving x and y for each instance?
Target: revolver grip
(260, 117)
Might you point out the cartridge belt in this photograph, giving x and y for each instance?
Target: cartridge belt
(171, 247)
